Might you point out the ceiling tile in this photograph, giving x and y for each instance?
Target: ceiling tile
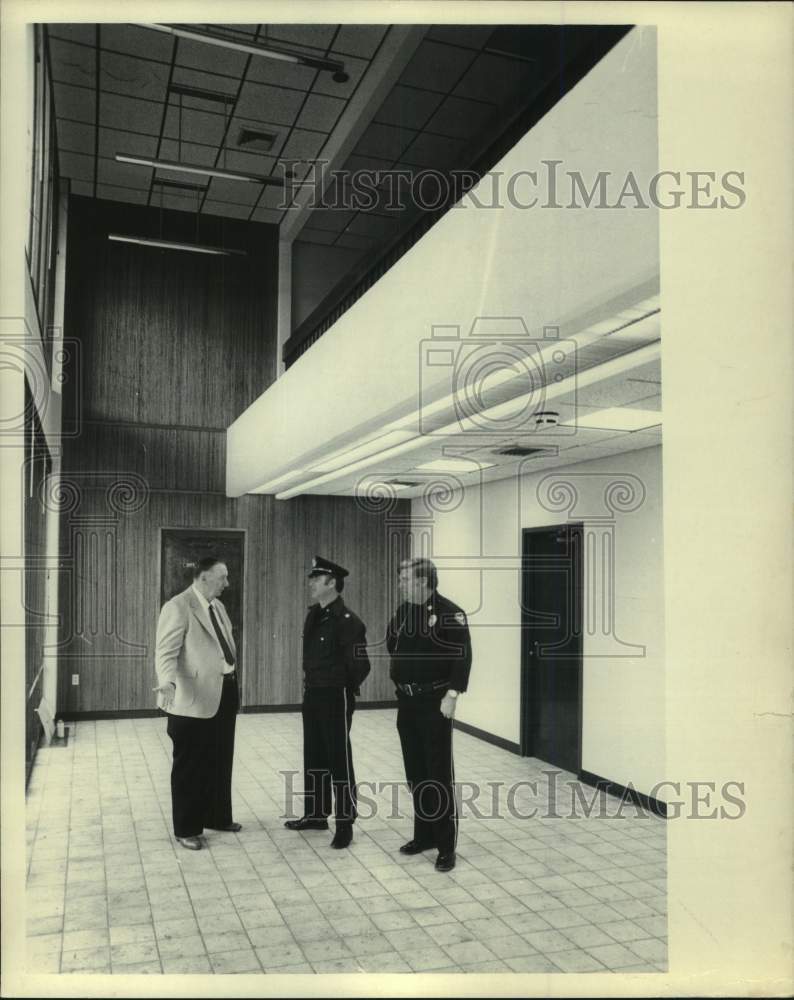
(377, 227)
(461, 118)
(83, 188)
(331, 219)
(133, 77)
(83, 33)
(279, 131)
(303, 145)
(124, 174)
(79, 166)
(384, 141)
(274, 198)
(236, 192)
(437, 67)
(647, 402)
(72, 63)
(205, 81)
(139, 116)
(199, 126)
(288, 75)
(133, 40)
(310, 36)
(321, 112)
(433, 151)
(76, 103)
(242, 29)
(268, 215)
(112, 141)
(359, 39)
(353, 242)
(75, 137)
(250, 163)
(226, 209)
(408, 107)
(317, 236)
(187, 152)
(113, 193)
(211, 58)
(497, 78)
(355, 163)
(472, 36)
(272, 104)
(182, 203)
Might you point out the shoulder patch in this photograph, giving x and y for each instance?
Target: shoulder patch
(347, 614)
(460, 618)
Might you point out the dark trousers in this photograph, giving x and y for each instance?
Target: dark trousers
(426, 740)
(201, 773)
(327, 755)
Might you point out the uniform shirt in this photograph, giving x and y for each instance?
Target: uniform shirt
(333, 647)
(430, 642)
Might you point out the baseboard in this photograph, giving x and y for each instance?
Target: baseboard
(486, 737)
(260, 709)
(655, 806)
(127, 713)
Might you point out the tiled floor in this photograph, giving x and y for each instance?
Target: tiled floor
(108, 890)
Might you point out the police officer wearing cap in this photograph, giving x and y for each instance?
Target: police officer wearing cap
(335, 663)
(428, 639)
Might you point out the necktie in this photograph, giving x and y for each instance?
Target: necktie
(227, 653)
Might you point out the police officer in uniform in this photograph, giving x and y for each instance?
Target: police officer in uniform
(428, 639)
(335, 663)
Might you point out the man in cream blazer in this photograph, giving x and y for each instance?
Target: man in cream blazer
(195, 660)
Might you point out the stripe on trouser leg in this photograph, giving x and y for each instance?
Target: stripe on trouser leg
(452, 770)
(347, 753)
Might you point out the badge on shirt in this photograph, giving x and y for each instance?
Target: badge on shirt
(460, 618)
(432, 620)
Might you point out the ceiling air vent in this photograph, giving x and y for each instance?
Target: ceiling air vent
(518, 451)
(253, 139)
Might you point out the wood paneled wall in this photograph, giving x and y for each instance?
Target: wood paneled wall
(173, 347)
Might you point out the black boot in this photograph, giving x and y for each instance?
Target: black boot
(343, 835)
(306, 823)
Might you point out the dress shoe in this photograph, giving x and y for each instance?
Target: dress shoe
(445, 862)
(191, 843)
(229, 828)
(414, 847)
(306, 823)
(343, 836)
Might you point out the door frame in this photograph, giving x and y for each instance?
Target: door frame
(207, 531)
(577, 531)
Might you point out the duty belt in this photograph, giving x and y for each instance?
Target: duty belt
(414, 689)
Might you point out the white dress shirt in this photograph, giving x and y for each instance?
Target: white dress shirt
(228, 668)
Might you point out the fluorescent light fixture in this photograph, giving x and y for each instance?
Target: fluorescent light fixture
(192, 168)
(269, 51)
(615, 366)
(618, 418)
(454, 465)
(145, 241)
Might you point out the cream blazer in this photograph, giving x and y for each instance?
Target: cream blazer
(189, 654)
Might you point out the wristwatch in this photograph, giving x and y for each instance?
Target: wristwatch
(452, 693)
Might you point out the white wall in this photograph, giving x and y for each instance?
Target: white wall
(623, 696)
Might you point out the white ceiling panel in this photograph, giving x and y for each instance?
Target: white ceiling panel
(144, 42)
(112, 141)
(76, 103)
(80, 166)
(138, 116)
(261, 103)
(225, 208)
(314, 38)
(355, 69)
(83, 188)
(122, 74)
(187, 152)
(236, 192)
(83, 33)
(321, 112)
(74, 137)
(200, 126)
(114, 193)
(210, 58)
(288, 75)
(359, 39)
(72, 63)
(267, 215)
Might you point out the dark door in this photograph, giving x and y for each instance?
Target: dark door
(551, 645)
(182, 548)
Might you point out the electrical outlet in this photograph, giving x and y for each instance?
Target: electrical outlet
(75, 680)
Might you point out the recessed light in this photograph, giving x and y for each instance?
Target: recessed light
(454, 465)
(618, 418)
